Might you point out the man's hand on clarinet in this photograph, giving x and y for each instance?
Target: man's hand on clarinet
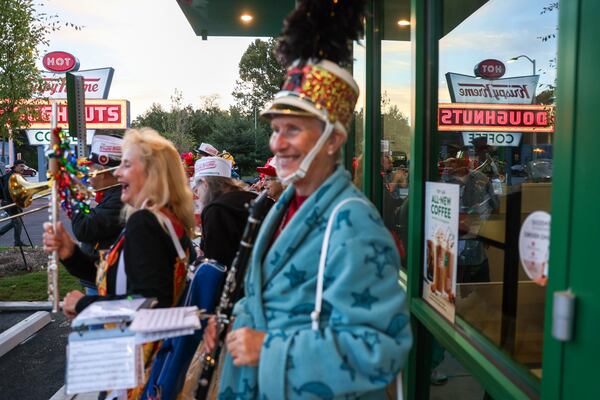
(61, 241)
(244, 345)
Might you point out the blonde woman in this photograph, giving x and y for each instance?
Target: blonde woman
(144, 260)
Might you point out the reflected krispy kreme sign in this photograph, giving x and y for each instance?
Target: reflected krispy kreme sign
(490, 69)
(99, 114)
(469, 89)
(494, 117)
(96, 84)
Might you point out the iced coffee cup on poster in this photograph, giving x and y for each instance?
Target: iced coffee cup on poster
(449, 263)
(439, 270)
(430, 260)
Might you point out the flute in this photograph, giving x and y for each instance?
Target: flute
(231, 292)
(53, 292)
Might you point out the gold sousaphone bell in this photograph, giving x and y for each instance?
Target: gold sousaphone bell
(23, 192)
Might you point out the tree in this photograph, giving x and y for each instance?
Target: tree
(176, 124)
(22, 30)
(261, 76)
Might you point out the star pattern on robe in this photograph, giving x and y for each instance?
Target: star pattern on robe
(343, 216)
(315, 220)
(327, 280)
(295, 276)
(381, 257)
(276, 257)
(321, 192)
(271, 315)
(376, 219)
(364, 299)
(370, 339)
(381, 377)
(274, 335)
(345, 366)
(247, 393)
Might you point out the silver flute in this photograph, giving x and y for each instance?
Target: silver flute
(53, 292)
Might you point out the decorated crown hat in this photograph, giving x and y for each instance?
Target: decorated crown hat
(315, 46)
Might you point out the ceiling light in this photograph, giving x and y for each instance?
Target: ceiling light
(246, 18)
(403, 22)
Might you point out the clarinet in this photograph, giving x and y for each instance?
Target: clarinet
(231, 292)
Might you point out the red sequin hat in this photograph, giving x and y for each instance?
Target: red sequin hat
(322, 89)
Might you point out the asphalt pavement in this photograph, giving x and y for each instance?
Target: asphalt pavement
(35, 369)
(33, 225)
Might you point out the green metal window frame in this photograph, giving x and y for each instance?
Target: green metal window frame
(569, 19)
(500, 376)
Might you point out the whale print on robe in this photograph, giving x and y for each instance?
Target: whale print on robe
(364, 336)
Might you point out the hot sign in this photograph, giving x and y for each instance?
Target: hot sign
(490, 69)
(60, 61)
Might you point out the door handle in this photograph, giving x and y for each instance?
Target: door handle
(563, 315)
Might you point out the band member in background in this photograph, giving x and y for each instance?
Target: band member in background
(223, 203)
(99, 229)
(15, 223)
(280, 346)
(270, 182)
(207, 150)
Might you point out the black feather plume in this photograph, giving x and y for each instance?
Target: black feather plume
(321, 29)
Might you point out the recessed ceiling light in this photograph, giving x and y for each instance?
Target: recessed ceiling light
(403, 22)
(246, 18)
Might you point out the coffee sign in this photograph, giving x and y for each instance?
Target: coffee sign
(60, 61)
(490, 69)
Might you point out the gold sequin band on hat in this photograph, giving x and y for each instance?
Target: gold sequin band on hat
(324, 89)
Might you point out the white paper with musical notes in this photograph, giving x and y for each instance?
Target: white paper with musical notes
(102, 364)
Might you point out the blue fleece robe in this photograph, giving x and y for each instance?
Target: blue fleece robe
(364, 335)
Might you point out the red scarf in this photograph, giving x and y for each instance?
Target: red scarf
(295, 204)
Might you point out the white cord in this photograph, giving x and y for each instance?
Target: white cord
(324, 247)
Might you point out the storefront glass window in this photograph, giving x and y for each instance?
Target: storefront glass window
(395, 115)
(495, 129)
(358, 73)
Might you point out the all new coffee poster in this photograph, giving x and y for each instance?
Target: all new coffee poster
(441, 238)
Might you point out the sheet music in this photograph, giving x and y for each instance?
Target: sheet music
(108, 311)
(165, 319)
(141, 338)
(101, 364)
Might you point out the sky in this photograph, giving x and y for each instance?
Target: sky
(152, 48)
(500, 29)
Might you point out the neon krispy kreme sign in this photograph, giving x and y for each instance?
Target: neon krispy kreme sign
(469, 89)
(99, 114)
(96, 84)
(40, 137)
(59, 85)
(494, 117)
(492, 91)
